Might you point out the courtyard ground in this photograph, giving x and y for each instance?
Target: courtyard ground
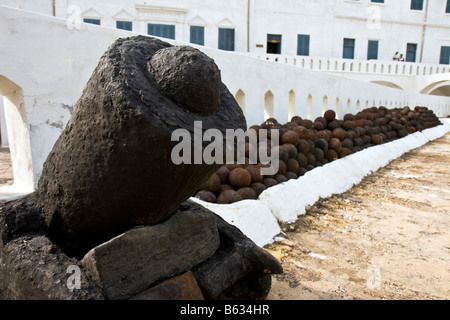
(386, 238)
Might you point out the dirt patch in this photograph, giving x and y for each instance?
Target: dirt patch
(386, 238)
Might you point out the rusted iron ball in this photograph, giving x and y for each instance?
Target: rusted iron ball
(270, 182)
(339, 133)
(345, 152)
(301, 160)
(349, 117)
(258, 187)
(333, 125)
(223, 173)
(207, 196)
(322, 144)
(349, 125)
(247, 193)
(224, 187)
(347, 143)
(291, 149)
(291, 175)
(255, 173)
(377, 139)
(311, 159)
(302, 132)
(281, 178)
(212, 184)
(228, 197)
(292, 165)
(283, 153)
(239, 178)
(282, 168)
(302, 172)
(308, 124)
(331, 155)
(329, 115)
(335, 144)
(303, 147)
(324, 134)
(296, 119)
(319, 154)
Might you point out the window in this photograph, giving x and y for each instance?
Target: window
(377, 1)
(274, 43)
(92, 21)
(124, 25)
(197, 35)
(303, 44)
(416, 4)
(411, 49)
(445, 55)
(372, 50)
(349, 49)
(161, 30)
(447, 9)
(226, 39)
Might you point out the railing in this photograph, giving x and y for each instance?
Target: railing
(359, 66)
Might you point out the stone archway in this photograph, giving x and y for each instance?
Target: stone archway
(18, 134)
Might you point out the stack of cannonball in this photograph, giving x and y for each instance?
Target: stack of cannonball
(306, 144)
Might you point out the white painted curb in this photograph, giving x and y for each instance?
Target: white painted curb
(259, 219)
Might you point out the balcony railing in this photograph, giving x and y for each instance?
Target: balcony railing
(359, 66)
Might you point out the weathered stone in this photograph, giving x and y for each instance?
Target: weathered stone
(239, 269)
(34, 268)
(140, 257)
(111, 168)
(183, 287)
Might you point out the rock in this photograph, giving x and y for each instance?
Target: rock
(183, 287)
(121, 127)
(238, 270)
(33, 268)
(133, 261)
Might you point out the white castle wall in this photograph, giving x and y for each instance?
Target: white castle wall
(44, 66)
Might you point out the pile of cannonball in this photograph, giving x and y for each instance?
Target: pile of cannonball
(306, 144)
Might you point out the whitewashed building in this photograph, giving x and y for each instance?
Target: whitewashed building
(354, 29)
(278, 58)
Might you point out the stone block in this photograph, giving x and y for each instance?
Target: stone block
(140, 257)
(183, 287)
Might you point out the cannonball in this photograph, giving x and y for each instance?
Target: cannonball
(224, 187)
(377, 139)
(345, 152)
(333, 125)
(291, 175)
(207, 196)
(292, 165)
(308, 124)
(329, 115)
(281, 178)
(270, 182)
(240, 178)
(228, 197)
(335, 144)
(331, 155)
(247, 193)
(322, 144)
(302, 132)
(302, 172)
(339, 133)
(291, 149)
(255, 173)
(301, 160)
(324, 134)
(212, 184)
(303, 147)
(258, 187)
(223, 173)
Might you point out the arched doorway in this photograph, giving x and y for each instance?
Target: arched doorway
(18, 134)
